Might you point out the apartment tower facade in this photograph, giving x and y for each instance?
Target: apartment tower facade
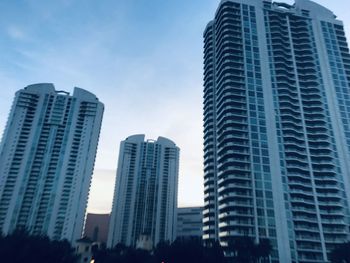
(276, 127)
(47, 157)
(145, 197)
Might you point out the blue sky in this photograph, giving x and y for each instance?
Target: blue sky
(142, 59)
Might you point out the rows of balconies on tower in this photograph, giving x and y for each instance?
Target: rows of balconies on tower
(210, 192)
(321, 148)
(324, 167)
(343, 66)
(314, 192)
(55, 126)
(36, 173)
(235, 197)
(300, 181)
(309, 152)
(28, 104)
(32, 181)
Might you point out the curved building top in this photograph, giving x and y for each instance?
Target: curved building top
(49, 88)
(315, 10)
(165, 141)
(137, 138)
(83, 94)
(41, 88)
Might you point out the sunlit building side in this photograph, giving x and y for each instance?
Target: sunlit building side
(47, 157)
(276, 128)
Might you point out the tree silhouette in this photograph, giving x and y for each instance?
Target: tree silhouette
(121, 254)
(263, 250)
(341, 254)
(245, 250)
(20, 247)
(180, 251)
(189, 250)
(213, 252)
(162, 252)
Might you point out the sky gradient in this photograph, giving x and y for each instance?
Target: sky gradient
(141, 58)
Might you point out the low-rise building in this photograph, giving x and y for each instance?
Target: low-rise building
(189, 222)
(96, 227)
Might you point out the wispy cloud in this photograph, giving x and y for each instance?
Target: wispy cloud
(15, 32)
(146, 72)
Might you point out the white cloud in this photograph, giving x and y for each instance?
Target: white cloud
(15, 32)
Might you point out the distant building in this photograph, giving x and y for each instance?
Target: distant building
(96, 227)
(145, 197)
(277, 128)
(189, 222)
(47, 156)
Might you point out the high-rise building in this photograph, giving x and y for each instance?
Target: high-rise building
(189, 223)
(276, 127)
(145, 197)
(47, 157)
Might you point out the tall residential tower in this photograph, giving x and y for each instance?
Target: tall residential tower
(47, 157)
(277, 127)
(145, 197)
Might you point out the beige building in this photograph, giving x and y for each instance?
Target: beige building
(96, 227)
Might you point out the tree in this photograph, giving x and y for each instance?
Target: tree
(341, 254)
(182, 250)
(263, 250)
(121, 254)
(245, 250)
(188, 250)
(21, 247)
(104, 255)
(162, 252)
(214, 253)
(136, 256)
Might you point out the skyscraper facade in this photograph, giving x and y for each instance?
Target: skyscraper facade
(276, 127)
(47, 157)
(145, 197)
